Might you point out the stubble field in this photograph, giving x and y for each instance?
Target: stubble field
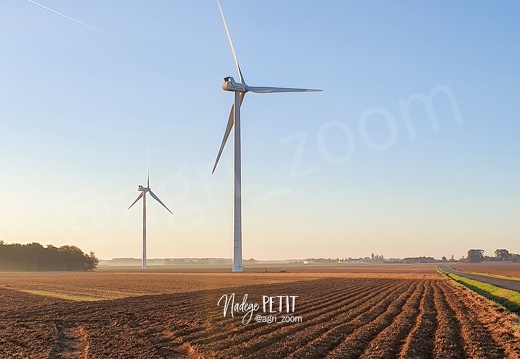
(412, 312)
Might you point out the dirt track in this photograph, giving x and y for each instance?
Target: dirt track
(498, 282)
(342, 318)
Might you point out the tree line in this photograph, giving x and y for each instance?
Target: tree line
(501, 255)
(35, 257)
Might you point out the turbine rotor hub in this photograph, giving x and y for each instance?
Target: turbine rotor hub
(231, 85)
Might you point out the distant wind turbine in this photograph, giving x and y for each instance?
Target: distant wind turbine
(143, 191)
(240, 89)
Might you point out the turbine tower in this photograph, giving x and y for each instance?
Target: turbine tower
(240, 89)
(142, 195)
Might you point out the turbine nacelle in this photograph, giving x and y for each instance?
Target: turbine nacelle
(143, 189)
(230, 85)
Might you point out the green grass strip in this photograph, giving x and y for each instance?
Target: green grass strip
(495, 276)
(510, 299)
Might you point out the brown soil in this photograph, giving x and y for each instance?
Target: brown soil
(343, 316)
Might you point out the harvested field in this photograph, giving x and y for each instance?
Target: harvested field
(100, 285)
(113, 285)
(342, 316)
(504, 269)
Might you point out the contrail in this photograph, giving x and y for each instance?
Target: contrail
(76, 21)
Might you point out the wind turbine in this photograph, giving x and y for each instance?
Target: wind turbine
(143, 191)
(240, 89)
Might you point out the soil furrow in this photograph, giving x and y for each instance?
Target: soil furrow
(389, 342)
(204, 334)
(354, 345)
(369, 310)
(71, 343)
(291, 337)
(478, 342)
(502, 325)
(258, 331)
(448, 337)
(420, 341)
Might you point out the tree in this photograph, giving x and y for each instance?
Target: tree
(34, 257)
(444, 259)
(91, 261)
(475, 256)
(502, 254)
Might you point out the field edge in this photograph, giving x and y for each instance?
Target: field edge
(506, 298)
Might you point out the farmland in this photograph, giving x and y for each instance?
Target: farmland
(378, 313)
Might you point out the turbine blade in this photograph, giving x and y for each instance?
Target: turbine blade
(231, 43)
(138, 198)
(158, 200)
(148, 171)
(278, 89)
(229, 126)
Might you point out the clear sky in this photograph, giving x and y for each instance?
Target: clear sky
(411, 149)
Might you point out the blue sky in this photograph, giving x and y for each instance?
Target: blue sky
(355, 169)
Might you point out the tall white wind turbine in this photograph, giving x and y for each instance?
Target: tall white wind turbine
(142, 195)
(240, 89)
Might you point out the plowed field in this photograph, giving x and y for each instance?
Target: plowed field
(339, 317)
